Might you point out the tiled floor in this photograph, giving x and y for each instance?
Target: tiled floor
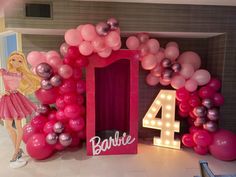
(151, 161)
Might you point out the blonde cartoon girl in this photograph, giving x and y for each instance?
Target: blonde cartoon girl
(14, 106)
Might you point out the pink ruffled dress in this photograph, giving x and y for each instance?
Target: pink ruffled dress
(14, 105)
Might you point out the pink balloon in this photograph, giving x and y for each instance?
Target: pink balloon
(81, 86)
(82, 134)
(55, 62)
(72, 111)
(149, 62)
(187, 140)
(105, 53)
(47, 96)
(34, 58)
(86, 48)
(28, 131)
(112, 39)
(143, 37)
(206, 92)
(172, 44)
(224, 145)
(73, 37)
(38, 122)
(77, 124)
(60, 103)
(182, 94)
(144, 50)
(132, 43)
(153, 46)
(191, 85)
(88, 32)
(190, 57)
(177, 82)
(201, 150)
(171, 52)
(187, 70)
(52, 53)
(202, 77)
(218, 99)
(157, 71)
(194, 101)
(69, 85)
(79, 28)
(75, 141)
(117, 47)
(99, 44)
(65, 71)
(185, 107)
(60, 115)
(52, 115)
(160, 56)
(48, 127)
(64, 48)
(152, 80)
(202, 138)
(215, 84)
(164, 82)
(38, 148)
(70, 98)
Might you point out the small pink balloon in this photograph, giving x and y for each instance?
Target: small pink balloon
(190, 57)
(201, 150)
(143, 37)
(65, 71)
(132, 43)
(98, 44)
(172, 44)
(149, 62)
(144, 50)
(88, 32)
(191, 85)
(73, 37)
(105, 53)
(153, 46)
(34, 58)
(86, 48)
(64, 48)
(202, 77)
(112, 39)
(152, 80)
(186, 71)
(177, 82)
(172, 52)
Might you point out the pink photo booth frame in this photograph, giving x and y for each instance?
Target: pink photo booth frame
(125, 143)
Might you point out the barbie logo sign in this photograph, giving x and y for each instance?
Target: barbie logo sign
(99, 146)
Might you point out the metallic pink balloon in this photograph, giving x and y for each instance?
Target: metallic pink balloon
(199, 121)
(102, 28)
(167, 74)
(114, 24)
(166, 63)
(200, 111)
(210, 126)
(44, 70)
(176, 67)
(213, 114)
(51, 138)
(65, 71)
(65, 139)
(45, 84)
(58, 127)
(208, 103)
(56, 80)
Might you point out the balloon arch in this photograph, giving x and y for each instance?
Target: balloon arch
(62, 124)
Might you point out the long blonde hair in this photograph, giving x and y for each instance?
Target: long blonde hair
(29, 82)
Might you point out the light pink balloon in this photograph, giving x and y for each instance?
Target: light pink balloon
(132, 43)
(172, 44)
(143, 37)
(190, 57)
(117, 47)
(152, 80)
(65, 71)
(149, 62)
(64, 48)
(202, 77)
(153, 46)
(55, 62)
(172, 52)
(177, 82)
(79, 28)
(187, 70)
(112, 39)
(86, 48)
(105, 53)
(144, 50)
(157, 70)
(191, 85)
(52, 53)
(160, 56)
(73, 37)
(88, 32)
(164, 83)
(34, 58)
(99, 44)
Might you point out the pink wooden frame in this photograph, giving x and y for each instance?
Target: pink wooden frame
(96, 62)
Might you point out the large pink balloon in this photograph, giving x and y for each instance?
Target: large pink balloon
(190, 57)
(153, 46)
(149, 62)
(152, 80)
(171, 52)
(112, 39)
(177, 82)
(47, 96)
(99, 44)
(191, 85)
(187, 70)
(73, 37)
(132, 43)
(34, 58)
(202, 138)
(88, 32)
(224, 145)
(28, 131)
(65, 71)
(64, 48)
(86, 48)
(38, 148)
(202, 77)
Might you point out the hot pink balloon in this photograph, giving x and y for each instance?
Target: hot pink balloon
(215, 84)
(190, 57)
(202, 138)
(28, 131)
(88, 32)
(152, 80)
(153, 46)
(112, 39)
(34, 58)
(99, 44)
(182, 94)
(86, 48)
(201, 150)
(218, 99)
(206, 92)
(47, 96)
(177, 82)
(187, 70)
(132, 43)
(202, 77)
(64, 48)
(72, 111)
(73, 37)
(149, 62)
(191, 85)
(105, 53)
(171, 52)
(187, 140)
(65, 71)
(77, 124)
(172, 44)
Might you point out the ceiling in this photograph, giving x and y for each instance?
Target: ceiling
(195, 2)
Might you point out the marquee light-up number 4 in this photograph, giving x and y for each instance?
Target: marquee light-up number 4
(167, 124)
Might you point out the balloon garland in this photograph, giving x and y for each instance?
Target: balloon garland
(60, 119)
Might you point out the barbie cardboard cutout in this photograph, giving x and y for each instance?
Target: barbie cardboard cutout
(14, 106)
